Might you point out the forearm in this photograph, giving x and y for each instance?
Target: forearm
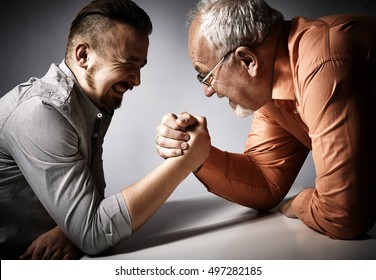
(238, 178)
(233, 177)
(146, 196)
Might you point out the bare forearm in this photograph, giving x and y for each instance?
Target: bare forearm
(147, 195)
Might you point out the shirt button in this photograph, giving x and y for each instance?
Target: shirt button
(95, 135)
(99, 115)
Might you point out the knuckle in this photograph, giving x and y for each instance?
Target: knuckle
(161, 141)
(202, 120)
(158, 150)
(163, 131)
(166, 118)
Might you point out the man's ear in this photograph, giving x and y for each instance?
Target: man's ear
(82, 55)
(248, 59)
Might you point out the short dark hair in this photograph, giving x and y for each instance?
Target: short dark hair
(100, 15)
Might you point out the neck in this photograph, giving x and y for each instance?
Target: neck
(267, 50)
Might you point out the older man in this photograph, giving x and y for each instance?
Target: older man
(312, 85)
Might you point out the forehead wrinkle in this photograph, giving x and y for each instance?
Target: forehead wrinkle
(116, 38)
(201, 55)
(118, 58)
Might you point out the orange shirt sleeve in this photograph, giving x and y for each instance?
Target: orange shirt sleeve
(261, 177)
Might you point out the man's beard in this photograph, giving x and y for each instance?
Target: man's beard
(239, 111)
(106, 101)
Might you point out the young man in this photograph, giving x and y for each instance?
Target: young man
(52, 129)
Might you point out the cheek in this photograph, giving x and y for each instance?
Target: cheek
(103, 81)
(231, 88)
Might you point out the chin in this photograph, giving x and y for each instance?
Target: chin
(240, 112)
(112, 103)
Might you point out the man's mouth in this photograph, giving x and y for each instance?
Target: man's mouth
(120, 88)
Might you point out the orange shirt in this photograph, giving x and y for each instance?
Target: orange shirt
(324, 100)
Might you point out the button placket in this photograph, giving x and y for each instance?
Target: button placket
(97, 123)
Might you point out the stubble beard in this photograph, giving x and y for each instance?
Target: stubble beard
(106, 102)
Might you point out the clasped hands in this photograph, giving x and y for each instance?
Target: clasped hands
(174, 134)
(183, 134)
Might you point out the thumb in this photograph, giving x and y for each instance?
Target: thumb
(185, 120)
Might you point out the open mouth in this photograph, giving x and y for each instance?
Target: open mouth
(120, 88)
(117, 94)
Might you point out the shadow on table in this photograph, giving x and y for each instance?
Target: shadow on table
(180, 219)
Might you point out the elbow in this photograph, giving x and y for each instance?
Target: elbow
(263, 206)
(95, 242)
(348, 228)
(342, 224)
(94, 250)
(109, 226)
(262, 199)
(93, 246)
(258, 203)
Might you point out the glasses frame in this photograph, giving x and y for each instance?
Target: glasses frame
(203, 79)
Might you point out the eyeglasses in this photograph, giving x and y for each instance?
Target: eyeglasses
(204, 79)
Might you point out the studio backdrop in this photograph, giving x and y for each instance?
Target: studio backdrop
(34, 35)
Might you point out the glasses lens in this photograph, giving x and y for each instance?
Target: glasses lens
(201, 79)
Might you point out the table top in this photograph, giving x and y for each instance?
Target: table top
(209, 227)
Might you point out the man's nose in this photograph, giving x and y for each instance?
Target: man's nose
(208, 90)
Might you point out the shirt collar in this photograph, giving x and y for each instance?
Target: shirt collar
(64, 67)
(283, 86)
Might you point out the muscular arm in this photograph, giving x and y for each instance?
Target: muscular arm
(147, 195)
(56, 169)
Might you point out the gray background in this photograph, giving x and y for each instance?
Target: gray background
(33, 35)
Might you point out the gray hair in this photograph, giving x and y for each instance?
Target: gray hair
(228, 24)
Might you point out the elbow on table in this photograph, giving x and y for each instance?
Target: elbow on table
(97, 243)
(348, 228)
(262, 205)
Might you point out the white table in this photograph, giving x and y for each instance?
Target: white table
(207, 227)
